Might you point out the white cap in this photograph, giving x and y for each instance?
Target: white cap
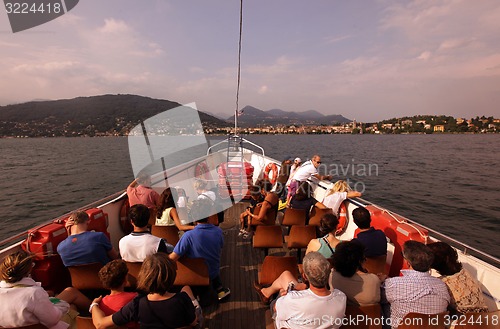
(298, 160)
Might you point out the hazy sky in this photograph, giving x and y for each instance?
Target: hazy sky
(367, 60)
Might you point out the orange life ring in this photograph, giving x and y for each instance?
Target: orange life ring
(342, 226)
(125, 224)
(274, 168)
(201, 170)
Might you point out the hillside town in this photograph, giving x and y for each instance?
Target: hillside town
(408, 125)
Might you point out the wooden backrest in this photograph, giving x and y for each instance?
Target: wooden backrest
(316, 214)
(83, 322)
(133, 272)
(294, 217)
(273, 266)
(169, 233)
(363, 317)
(31, 326)
(476, 320)
(192, 272)
(300, 235)
(424, 321)
(376, 265)
(268, 237)
(86, 276)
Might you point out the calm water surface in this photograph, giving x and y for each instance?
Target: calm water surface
(446, 182)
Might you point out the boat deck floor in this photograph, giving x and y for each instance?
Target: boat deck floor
(239, 269)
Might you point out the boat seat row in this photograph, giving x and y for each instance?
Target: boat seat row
(190, 272)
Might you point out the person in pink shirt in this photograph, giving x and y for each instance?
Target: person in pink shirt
(140, 192)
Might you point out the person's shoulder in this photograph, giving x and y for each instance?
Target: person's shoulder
(336, 293)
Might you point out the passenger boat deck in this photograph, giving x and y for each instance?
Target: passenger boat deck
(239, 269)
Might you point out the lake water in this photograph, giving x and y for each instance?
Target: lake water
(446, 182)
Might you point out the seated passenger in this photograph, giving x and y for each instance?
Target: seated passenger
(337, 194)
(113, 276)
(325, 245)
(24, 301)
(316, 307)
(303, 200)
(268, 207)
(416, 290)
(349, 276)
(139, 244)
(155, 307)
(204, 241)
(256, 198)
(166, 214)
(465, 292)
(200, 187)
(140, 192)
(83, 247)
(375, 241)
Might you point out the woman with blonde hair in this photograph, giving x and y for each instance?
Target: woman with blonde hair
(337, 194)
(24, 301)
(155, 306)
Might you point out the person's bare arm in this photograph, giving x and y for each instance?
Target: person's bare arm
(100, 320)
(320, 205)
(173, 256)
(353, 194)
(177, 221)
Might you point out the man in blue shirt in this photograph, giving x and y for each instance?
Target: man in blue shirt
(84, 247)
(204, 241)
(374, 240)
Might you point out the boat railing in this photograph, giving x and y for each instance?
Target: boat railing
(96, 204)
(227, 141)
(463, 247)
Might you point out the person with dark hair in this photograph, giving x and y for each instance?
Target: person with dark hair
(328, 242)
(113, 276)
(166, 212)
(140, 192)
(268, 208)
(465, 292)
(416, 290)
(304, 200)
(256, 197)
(375, 241)
(349, 276)
(139, 244)
(24, 301)
(84, 247)
(155, 306)
(204, 241)
(316, 307)
(282, 178)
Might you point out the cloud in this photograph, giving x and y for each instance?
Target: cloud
(112, 26)
(336, 39)
(425, 55)
(263, 90)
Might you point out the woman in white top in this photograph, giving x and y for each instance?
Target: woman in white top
(166, 214)
(24, 301)
(337, 194)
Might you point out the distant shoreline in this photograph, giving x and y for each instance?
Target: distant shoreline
(266, 134)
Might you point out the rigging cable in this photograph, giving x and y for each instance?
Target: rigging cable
(239, 71)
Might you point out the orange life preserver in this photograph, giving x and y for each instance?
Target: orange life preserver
(274, 168)
(342, 226)
(201, 170)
